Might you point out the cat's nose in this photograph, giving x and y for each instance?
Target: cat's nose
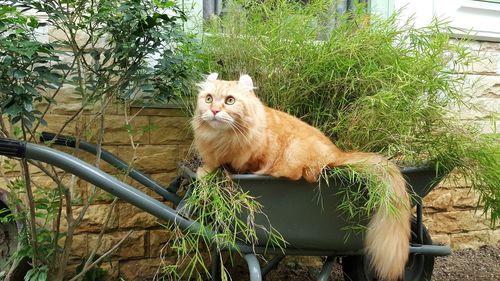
(215, 111)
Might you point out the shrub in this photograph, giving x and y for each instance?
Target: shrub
(370, 84)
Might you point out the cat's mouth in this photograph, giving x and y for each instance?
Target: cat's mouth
(217, 121)
(216, 124)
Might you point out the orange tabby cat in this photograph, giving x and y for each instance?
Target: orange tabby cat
(232, 127)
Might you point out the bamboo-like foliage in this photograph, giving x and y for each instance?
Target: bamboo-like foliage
(220, 206)
(370, 84)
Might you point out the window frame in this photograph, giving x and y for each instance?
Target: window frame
(474, 19)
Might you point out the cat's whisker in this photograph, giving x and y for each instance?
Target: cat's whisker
(245, 136)
(239, 132)
(235, 131)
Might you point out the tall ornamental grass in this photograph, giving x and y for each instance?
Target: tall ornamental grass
(370, 84)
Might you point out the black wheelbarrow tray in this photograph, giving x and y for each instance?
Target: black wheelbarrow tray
(310, 228)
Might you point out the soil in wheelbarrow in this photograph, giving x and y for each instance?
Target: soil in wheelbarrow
(481, 264)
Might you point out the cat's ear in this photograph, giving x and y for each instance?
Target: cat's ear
(212, 77)
(246, 82)
(203, 86)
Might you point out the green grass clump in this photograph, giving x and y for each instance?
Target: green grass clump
(222, 208)
(370, 84)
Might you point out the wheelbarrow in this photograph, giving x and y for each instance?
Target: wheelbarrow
(311, 229)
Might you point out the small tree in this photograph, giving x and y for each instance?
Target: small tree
(122, 51)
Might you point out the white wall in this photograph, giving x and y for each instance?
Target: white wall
(479, 18)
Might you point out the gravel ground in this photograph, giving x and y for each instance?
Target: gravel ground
(481, 264)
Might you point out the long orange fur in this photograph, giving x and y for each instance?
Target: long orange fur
(232, 127)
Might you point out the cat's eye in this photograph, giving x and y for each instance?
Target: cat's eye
(209, 99)
(230, 100)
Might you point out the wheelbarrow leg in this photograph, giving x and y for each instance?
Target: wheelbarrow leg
(324, 275)
(272, 264)
(215, 264)
(253, 267)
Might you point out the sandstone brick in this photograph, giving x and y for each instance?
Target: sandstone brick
(480, 108)
(43, 184)
(12, 167)
(439, 199)
(472, 45)
(79, 246)
(117, 108)
(172, 111)
(94, 218)
(455, 222)
(133, 247)
(441, 239)
(465, 198)
(487, 62)
(142, 269)
(152, 159)
(473, 239)
(56, 122)
(115, 131)
(170, 130)
(130, 217)
(487, 46)
(487, 126)
(158, 240)
(495, 237)
(68, 102)
(484, 86)
(453, 181)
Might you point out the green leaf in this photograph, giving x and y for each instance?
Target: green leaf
(19, 74)
(18, 89)
(33, 22)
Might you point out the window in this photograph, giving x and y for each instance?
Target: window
(215, 7)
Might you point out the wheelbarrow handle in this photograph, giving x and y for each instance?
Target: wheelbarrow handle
(12, 148)
(58, 139)
(113, 160)
(93, 175)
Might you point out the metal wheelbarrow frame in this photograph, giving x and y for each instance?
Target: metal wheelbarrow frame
(311, 231)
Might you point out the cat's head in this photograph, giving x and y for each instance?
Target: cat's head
(226, 104)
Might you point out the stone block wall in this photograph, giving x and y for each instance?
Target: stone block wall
(163, 139)
(159, 151)
(451, 212)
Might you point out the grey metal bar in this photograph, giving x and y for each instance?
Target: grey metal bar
(111, 159)
(435, 250)
(215, 264)
(420, 226)
(272, 264)
(110, 184)
(432, 250)
(249, 249)
(253, 267)
(324, 275)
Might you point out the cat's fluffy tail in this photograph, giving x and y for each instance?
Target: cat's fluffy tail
(388, 234)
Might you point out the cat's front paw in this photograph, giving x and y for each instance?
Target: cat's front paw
(201, 172)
